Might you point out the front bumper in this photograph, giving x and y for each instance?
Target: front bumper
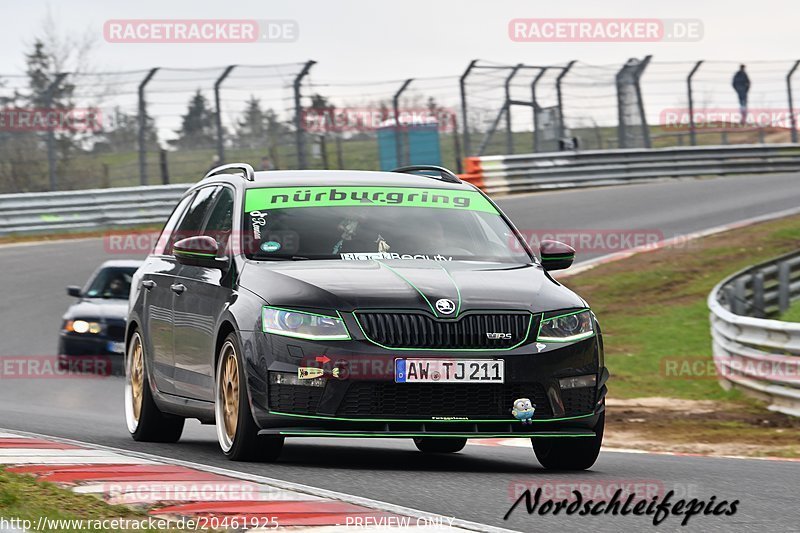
(373, 405)
(96, 353)
(71, 344)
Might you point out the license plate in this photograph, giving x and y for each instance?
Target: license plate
(449, 371)
(115, 347)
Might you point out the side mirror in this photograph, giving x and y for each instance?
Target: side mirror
(556, 255)
(199, 250)
(74, 290)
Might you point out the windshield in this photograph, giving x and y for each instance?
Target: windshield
(111, 282)
(361, 223)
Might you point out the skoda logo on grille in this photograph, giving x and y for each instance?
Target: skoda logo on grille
(445, 306)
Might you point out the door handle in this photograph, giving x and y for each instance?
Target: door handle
(178, 288)
(149, 284)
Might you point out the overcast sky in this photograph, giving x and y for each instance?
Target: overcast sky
(373, 39)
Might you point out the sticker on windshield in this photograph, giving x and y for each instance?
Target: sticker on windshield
(296, 197)
(367, 256)
(258, 220)
(270, 246)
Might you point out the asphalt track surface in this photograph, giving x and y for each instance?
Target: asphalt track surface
(477, 484)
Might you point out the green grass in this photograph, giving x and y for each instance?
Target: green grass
(793, 313)
(652, 308)
(22, 497)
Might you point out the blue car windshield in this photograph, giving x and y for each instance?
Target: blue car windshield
(111, 282)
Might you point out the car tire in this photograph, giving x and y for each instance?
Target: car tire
(237, 432)
(570, 453)
(439, 445)
(146, 423)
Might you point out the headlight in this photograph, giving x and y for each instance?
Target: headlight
(83, 326)
(303, 325)
(568, 327)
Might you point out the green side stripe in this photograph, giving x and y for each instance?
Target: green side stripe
(200, 254)
(399, 275)
(266, 198)
(436, 435)
(319, 417)
(558, 257)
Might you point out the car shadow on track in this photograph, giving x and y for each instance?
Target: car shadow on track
(399, 455)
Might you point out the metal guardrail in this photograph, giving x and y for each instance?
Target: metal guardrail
(100, 208)
(758, 355)
(22, 214)
(530, 172)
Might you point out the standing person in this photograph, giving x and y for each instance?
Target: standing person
(741, 84)
(266, 163)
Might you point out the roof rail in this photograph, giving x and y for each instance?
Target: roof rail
(249, 174)
(444, 174)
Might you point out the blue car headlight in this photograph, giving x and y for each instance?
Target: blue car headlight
(303, 325)
(569, 327)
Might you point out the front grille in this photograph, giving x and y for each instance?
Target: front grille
(417, 330)
(300, 399)
(578, 401)
(414, 400)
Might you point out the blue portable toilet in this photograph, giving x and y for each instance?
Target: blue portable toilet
(419, 144)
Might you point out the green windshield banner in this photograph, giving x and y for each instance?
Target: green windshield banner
(264, 199)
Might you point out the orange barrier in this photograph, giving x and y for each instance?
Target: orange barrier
(474, 171)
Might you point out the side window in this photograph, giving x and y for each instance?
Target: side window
(220, 221)
(165, 238)
(192, 223)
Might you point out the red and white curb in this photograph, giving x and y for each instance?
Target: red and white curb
(177, 489)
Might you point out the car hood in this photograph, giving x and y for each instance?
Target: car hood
(406, 284)
(98, 309)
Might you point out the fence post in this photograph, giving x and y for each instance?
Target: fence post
(462, 82)
(143, 127)
(758, 295)
(51, 136)
(218, 117)
(162, 163)
(784, 286)
(398, 141)
(537, 143)
(629, 76)
(299, 134)
(643, 118)
(561, 128)
(791, 101)
(692, 132)
(509, 133)
(740, 306)
(457, 146)
(339, 153)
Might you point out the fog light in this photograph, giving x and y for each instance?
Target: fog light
(280, 378)
(576, 382)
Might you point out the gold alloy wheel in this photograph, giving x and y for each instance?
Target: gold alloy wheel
(229, 391)
(137, 379)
